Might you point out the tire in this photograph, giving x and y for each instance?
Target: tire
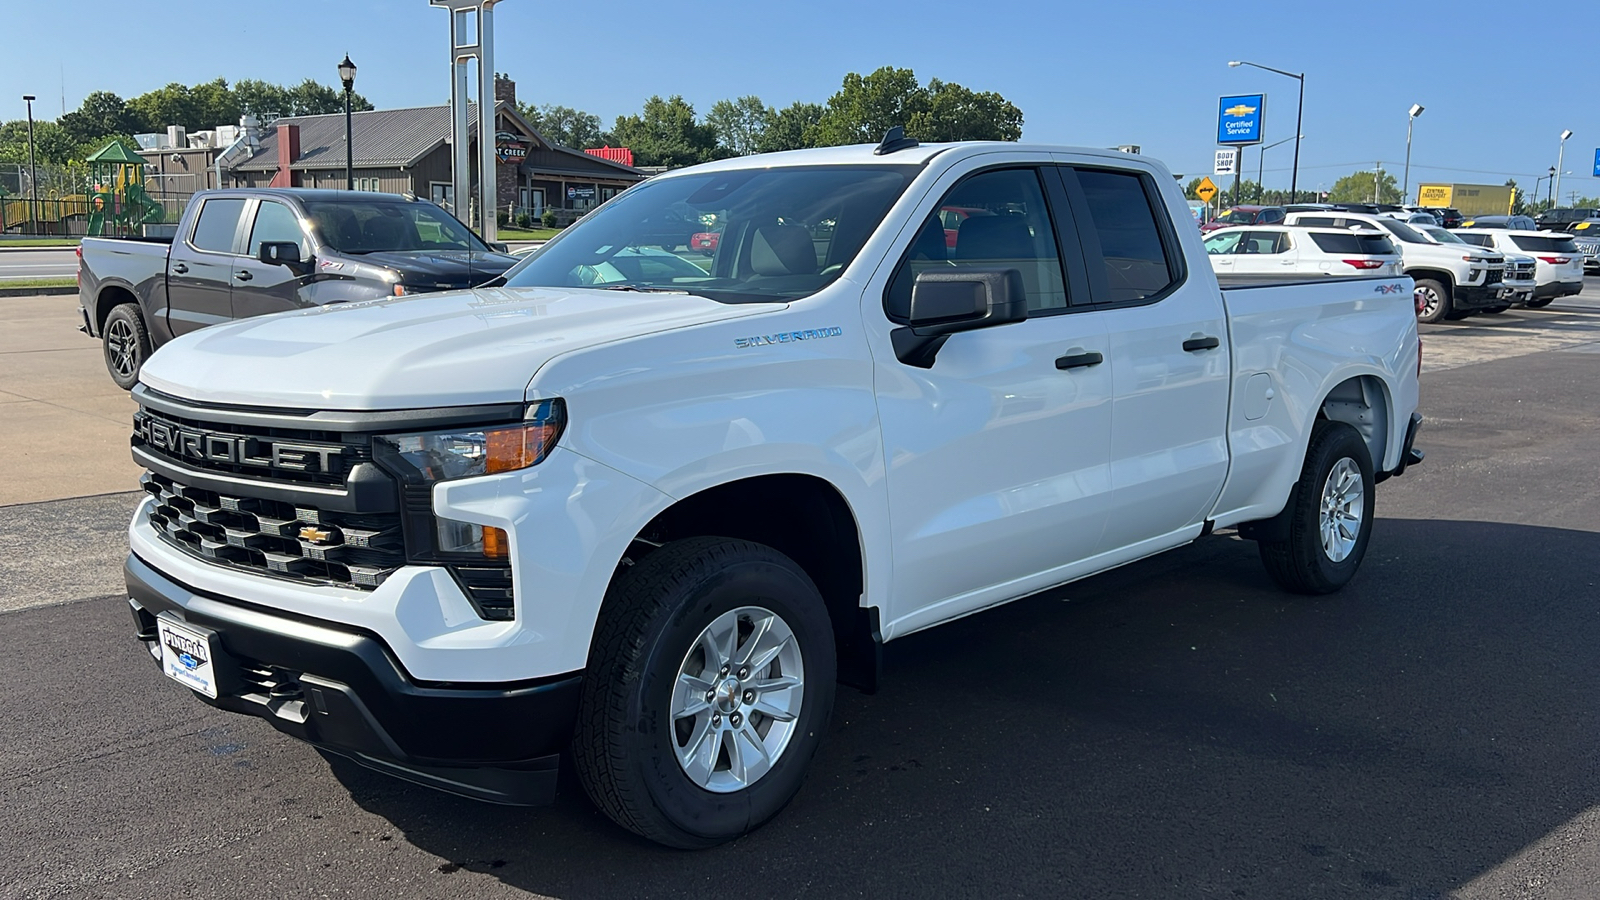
(125, 342)
(651, 641)
(1303, 564)
(1540, 303)
(1433, 299)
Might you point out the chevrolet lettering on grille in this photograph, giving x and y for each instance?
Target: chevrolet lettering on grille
(182, 442)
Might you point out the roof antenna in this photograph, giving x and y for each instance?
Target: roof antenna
(894, 139)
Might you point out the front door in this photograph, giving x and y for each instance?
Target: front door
(997, 456)
(260, 288)
(1169, 355)
(1265, 253)
(201, 266)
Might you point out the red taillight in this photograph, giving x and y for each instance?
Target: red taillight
(1365, 263)
(1556, 260)
(78, 275)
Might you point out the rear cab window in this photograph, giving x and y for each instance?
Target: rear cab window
(1119, 224)
(218, 222)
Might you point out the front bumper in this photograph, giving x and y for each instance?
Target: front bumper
(1475, 296)
(342, 689)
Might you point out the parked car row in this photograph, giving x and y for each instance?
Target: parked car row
(1476, 268)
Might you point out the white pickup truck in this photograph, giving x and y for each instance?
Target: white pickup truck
(650, 503)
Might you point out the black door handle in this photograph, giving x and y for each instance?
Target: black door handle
(1079, 360)
(243, 276)
(180, 268)
(1195, 345)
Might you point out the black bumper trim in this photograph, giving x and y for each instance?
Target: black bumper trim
(1558, 289)
(1409, 454)
(342, 690)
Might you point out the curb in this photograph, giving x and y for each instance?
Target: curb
(38, 291)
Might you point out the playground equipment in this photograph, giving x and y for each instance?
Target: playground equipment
(117, 196)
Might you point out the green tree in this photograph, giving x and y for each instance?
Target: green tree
(665, 133)
(308, 98)
(1357, 188)
(955, 113)
(792, 128)
(867, 107)
(52, 144)
(262, 99)
(564, 125)
(102, 114)
(740, 125)
(170, 105)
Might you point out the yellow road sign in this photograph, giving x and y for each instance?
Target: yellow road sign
(1206, 190)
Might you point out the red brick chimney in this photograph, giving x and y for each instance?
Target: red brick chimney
(505, 89)
(288, 155)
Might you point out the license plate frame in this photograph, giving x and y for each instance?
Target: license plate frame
(188, 654)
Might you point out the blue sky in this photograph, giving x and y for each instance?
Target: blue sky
(1092, 74)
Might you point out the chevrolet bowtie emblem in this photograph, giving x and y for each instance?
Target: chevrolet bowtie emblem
(314, 534)
(1239, 110)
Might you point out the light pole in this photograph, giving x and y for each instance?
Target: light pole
(1405, 189)
(1550, 202)
(1560, 161)
(33, 170)
(1261, 165)
(1299, 116)
(347, 74)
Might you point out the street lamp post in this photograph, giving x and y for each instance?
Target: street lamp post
(1299, 116)
(1550, 202)
(1561, 156)
(347, 74)
(1405, 189)
(33, 170)
(1261, 164)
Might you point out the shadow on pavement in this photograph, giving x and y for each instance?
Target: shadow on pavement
(1179, 729)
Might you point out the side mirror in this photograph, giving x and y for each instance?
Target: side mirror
(279, 253)
(500, 247)
(955, 300)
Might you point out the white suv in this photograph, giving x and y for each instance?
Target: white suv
(1516, 283)
(1267, 250)
(1452, 282)
(1559, 272)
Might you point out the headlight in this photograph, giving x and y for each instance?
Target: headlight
(425, 459)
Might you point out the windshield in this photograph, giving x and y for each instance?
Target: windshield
(1403, 231)
(1237, 217)
(1439, 235)
(377, 226)
(740, 236)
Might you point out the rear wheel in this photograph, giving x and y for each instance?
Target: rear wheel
(709, 686)
(126, 343)
(1433, 300)
(1330, 517)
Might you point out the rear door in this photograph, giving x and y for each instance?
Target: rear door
(1169, 359)
(201, 266)
(260, 288)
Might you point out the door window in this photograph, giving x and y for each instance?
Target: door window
(216, 225)
(1264, 242)
(993, 220)
(276, 222)
(1223, 243)
(1119, 213)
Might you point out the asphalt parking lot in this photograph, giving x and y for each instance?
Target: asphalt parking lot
(1176, 728)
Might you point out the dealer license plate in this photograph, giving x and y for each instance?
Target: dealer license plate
(187, 656)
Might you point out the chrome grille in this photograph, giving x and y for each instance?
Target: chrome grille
(282, 540)
(251, 451)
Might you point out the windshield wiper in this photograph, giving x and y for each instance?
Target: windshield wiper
(645, 290)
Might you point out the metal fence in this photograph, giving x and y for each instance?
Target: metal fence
(63, 198)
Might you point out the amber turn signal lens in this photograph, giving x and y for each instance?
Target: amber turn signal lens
(521, 446)
(496, 544)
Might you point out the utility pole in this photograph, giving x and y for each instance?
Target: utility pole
(1377, 179)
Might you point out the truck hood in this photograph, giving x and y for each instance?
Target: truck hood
(449, 349)
(441, 269)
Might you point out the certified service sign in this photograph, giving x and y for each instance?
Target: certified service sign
(1239, 119)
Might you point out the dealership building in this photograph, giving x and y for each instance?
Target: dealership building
(408, 151)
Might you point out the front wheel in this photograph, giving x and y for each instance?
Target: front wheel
(1330, 515)
(1433, 301)
(709, 686)
(126, 343)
